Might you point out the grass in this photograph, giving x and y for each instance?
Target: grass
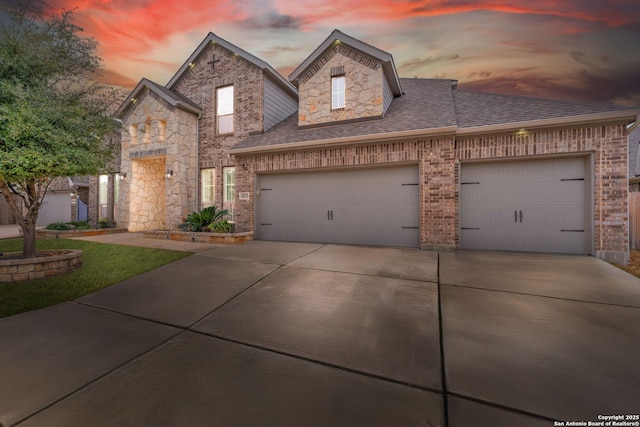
(103, 265)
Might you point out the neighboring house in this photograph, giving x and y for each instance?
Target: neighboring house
(366, 157)
(634, 160)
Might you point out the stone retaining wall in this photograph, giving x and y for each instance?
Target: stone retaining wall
(201, 237)
(68, 234)
(46, 264)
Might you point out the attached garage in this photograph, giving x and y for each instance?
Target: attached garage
(356, 206)
(530, 206)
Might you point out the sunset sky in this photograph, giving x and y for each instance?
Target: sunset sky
(583, 50)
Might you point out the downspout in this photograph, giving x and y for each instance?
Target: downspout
(197, 180)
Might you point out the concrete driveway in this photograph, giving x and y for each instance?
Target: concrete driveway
(291, 334)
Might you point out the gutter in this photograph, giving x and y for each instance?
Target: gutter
(358, 139)
(553, 122)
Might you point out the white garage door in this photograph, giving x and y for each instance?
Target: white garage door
(56, 207)
(357, 206)
(531, 206)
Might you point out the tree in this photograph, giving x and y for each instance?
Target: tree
(53, 111)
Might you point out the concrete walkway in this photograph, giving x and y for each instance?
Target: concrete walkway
(292, 334)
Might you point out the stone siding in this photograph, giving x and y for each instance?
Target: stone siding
(45, 264)
(155, 138)
(363, 88)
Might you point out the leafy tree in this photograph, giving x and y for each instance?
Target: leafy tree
(54, 113)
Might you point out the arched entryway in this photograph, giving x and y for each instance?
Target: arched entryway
(147, 205)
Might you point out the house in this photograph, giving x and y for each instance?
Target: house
(346, 151)
(60, 204)
(634, 160)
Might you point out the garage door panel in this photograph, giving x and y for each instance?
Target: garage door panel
(357, 206)
(536, 205)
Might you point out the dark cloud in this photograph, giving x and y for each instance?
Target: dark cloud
(415, 63)
(272, 20)
(621, 86)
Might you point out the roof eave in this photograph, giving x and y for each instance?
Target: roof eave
(147, 84)
(348, 140)
(214, 39)
(337, 37)
(613, 116)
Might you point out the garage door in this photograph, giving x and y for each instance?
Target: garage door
(56, 207)
(531, 206)
(357, 206)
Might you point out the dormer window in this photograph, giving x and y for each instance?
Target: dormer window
(337, 92)
(224, 96)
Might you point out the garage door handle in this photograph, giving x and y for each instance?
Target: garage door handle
(515, 216)
(520, 216)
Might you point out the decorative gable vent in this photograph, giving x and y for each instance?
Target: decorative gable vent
(337, 71)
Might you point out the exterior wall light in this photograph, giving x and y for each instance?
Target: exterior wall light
(122, 176)
(169, 173)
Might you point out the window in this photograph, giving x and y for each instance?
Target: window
(224, 96)
(229, 183)
(162, 130)
(337, 92)
(208, 187)
(103, 196)
(133, 131)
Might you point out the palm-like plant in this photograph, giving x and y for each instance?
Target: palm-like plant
(196, 221)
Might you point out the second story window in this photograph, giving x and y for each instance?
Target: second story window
(337, 92)
(224, 96)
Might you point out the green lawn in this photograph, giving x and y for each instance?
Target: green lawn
(102, 265)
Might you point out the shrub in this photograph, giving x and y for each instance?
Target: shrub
(196, 221)
(103, 223)
(58, 226)
(221, 226)
(80, 225)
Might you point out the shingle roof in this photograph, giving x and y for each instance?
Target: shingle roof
(426, 104)
(173, 98)
(436, 104)
(484, 109)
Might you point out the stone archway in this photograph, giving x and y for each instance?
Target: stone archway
(147, 209)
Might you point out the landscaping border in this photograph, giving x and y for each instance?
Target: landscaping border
(47, 263)
(43, 233)
(200, 237)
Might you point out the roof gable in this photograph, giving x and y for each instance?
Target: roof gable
(337, 38)
(214, 39)
(172, 98)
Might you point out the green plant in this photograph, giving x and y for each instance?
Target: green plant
(221, 226)
(196, 221)
(58, 226)
(103, 223)
(80, 225)
(102, 265)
